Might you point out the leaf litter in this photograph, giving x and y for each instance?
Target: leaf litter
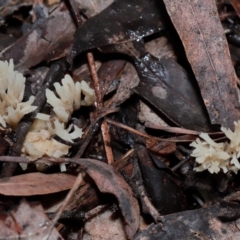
(162, 73)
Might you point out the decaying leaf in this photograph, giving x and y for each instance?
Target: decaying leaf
(167, 86)
(119, 23)
(36, 184)
(109, 181)
(128, 82)
(7, 7)
(205, 223)
(26, 222)
(207, 51)
(111, 229)
(162, 189)
(45, 41)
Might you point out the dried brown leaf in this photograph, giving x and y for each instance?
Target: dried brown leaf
(36, 184)
(109, 181)
(198, 25)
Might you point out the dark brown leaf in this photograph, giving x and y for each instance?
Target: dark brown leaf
(160, 184)
(119, 23)
(167, 86)
(202, 35)
(36, 184)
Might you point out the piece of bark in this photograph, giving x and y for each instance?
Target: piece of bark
(198, 25)
(36, 184)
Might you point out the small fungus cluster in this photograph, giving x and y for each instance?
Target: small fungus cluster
(64, 100)
(214, 156)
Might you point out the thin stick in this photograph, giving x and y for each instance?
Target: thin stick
(118, 124)
(76, 12)
(107, 142)
(65, 202)
(178, 130)
(95, 79)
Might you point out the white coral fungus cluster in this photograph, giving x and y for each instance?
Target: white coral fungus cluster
(39, 141)
(12, 109)
(69, 97)
(214, 156)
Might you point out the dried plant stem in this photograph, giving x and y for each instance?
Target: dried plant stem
(107, 142)
(65, 202)
(95, 79)
(99, 100)
(118, 124)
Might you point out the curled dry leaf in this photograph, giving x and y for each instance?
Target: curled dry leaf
(26, 222)
(198, 25)
(108, 180)
(36, 184)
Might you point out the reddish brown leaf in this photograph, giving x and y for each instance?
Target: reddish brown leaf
(202, 35)
(26, 222)
(36, 184)
(109, 181)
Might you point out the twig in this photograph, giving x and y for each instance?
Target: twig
(65, 202)
(107, 143)
(180, 163)
(93, 128)
(95, 79)
(118, 124)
